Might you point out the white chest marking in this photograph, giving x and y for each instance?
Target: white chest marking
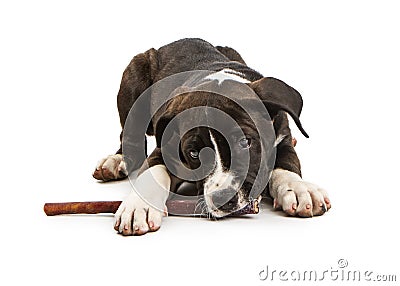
(227, 74)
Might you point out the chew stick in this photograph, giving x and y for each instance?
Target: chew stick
(81, 207)
(175, 207)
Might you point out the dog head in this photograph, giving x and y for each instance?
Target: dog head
(219, 140)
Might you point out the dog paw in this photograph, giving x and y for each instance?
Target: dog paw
(136, 217)
(297, 197)
(112, 167)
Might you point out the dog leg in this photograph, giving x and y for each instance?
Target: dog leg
(143, 209)
(290, 192)
(137, 77)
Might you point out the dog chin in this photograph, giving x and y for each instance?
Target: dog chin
(218, 213)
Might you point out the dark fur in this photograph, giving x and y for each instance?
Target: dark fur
(195, 54)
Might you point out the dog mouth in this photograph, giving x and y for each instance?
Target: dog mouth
(222, 203)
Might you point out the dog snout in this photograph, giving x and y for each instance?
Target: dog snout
(225, 199)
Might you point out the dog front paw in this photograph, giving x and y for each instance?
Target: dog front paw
(295, 196)
(112, 167)
(136, 217)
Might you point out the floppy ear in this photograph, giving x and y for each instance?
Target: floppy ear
(172, 107)
(277, 95)
(162, 123)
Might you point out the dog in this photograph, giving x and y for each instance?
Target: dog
(224, 187)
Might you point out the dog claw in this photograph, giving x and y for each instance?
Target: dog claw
(290, 212)
(111, 168)
(328, 203)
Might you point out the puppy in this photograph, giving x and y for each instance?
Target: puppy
(221, 126)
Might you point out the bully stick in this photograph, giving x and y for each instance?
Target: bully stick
(178, 207)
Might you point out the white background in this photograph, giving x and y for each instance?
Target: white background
(60, 68)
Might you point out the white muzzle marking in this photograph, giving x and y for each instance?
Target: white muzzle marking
(219, 180)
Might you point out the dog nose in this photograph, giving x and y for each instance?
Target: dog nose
(225, 199)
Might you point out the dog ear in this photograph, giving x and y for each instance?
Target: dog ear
(277, 95)
(161, 125)
(172, 107)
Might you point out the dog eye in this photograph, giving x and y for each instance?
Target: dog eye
(194, 154)
(245, 143)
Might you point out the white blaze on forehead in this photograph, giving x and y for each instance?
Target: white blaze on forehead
(225, 74)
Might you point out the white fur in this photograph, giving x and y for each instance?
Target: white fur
(114, 164)
(279, 139)
(145, 205)
(226, 74)
(293, 194)
(219, 180)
